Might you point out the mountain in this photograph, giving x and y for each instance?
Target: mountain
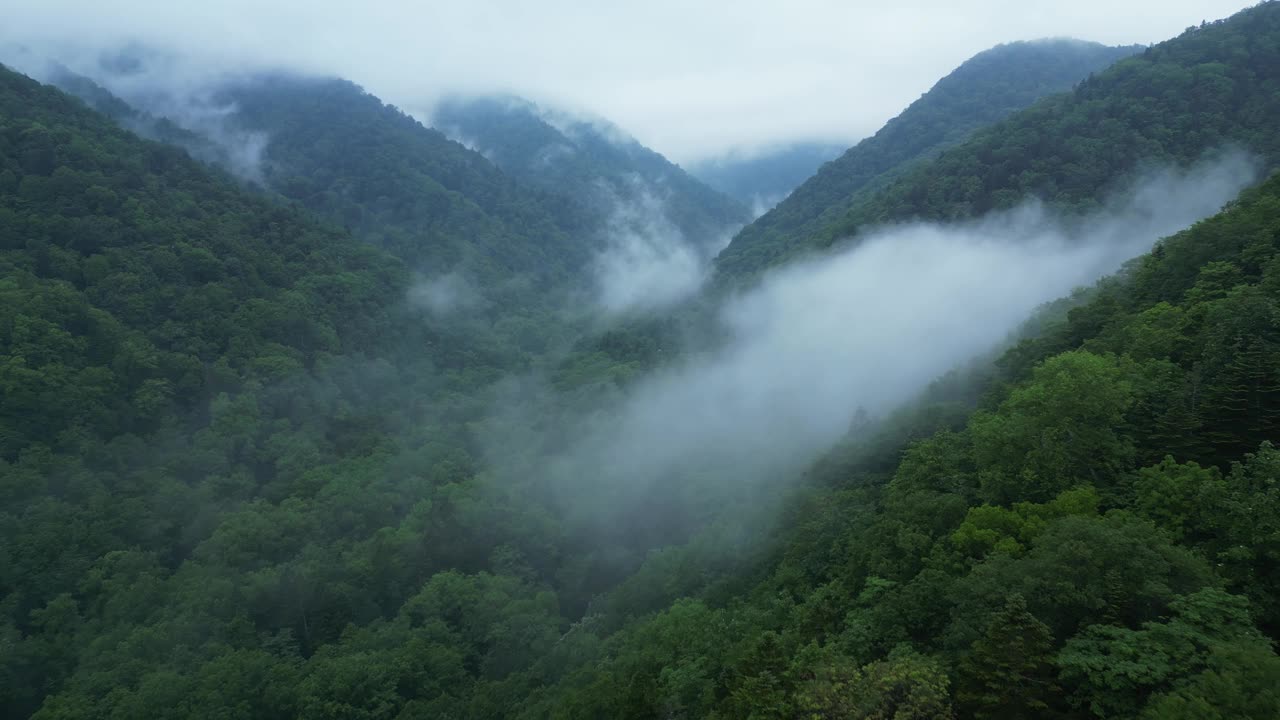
(761, 179)
(1211, 88)
(516, 240)
(1094, 540)
(984, 89)
(249, 468)
(190, 360)
(153, 312)
(346, 156)
(589, 160)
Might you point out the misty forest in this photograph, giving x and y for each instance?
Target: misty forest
(314, 407)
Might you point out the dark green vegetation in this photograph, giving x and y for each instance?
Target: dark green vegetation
(346, 156)
(986, 88)
(240, 476)
(138, 121)
(1097, 540)
(1214, 86)
(227, 436)
(768, 176)
(592, 162)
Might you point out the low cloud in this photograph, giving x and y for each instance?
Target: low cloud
(161, 84)
(646, 262)
(444, 296)
(749, 73)
(867, 327)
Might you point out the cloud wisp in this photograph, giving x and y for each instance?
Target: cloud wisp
(868, 327)
(646, 263)
(691, 81)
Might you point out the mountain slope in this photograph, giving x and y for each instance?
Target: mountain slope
(138, 239)
(1095, 541)
(588, 160)
(152, 314)
(346, 156)
(761, 179)
(229, 435)
(1212, 87)
(984, 89)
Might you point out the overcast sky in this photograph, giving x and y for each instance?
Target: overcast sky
(690, 79)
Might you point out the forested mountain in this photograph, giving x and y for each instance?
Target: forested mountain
(494, 256)
(145, 302)
(1213, 86)
(589, 160)
(343, 154)
(1097, 540)
(229, 431)
(761, 179)
(252, 467)
(986, 88)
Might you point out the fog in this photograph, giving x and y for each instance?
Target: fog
(690, 80)
(443, 296)
(868, 327)
(646, 263)
(176, 86)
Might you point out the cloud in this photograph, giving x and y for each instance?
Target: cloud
(689, 80)
(647, 263)
(162, 84)
(866, 328)
(445, 296)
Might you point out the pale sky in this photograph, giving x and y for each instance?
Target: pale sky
(689, 79)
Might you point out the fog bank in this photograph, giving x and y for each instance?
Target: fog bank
(868, 327)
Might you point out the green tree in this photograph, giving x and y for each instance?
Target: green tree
(1064, 428)
(1009, 671)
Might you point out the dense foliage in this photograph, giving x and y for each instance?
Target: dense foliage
(986, 88)
(596, 164)
(1097, 541)
(1215, 86)
(231, 429)
(241, 473)
(343, 154)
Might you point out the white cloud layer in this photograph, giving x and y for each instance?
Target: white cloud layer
(867, 327)
(689, 79)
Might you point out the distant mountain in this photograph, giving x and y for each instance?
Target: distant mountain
(349, 157)
(986, 88)
(1215, 87)
(587, 159)
(761, 179)
(244, 474)
(345, 155)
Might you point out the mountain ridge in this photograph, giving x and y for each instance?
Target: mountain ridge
(588, 159)
(983, 89)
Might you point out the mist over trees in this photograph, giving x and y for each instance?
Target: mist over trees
(308, 410)
(762, 178)
(986, 88)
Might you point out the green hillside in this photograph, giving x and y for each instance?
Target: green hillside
(252, 467)
(986, 88)
(1215, 86)
(590, 161)
(349, 158)
(1097, 540)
